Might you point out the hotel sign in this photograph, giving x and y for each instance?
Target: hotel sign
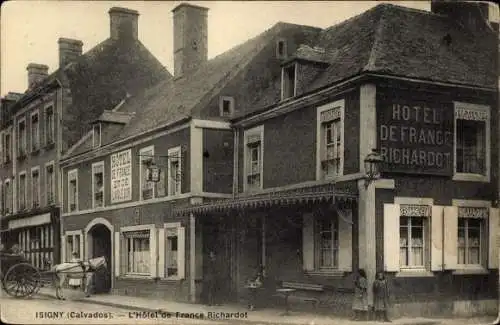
(121, 176)
(416, 137)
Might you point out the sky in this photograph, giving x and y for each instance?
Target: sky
(29, 30)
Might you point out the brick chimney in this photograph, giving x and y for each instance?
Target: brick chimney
(124, 23)
(36, 73)
(190, 38)
(477, 16)
(69, 50)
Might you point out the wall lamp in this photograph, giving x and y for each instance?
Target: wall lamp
(373, 161)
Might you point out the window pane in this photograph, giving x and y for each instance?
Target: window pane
(471, 146)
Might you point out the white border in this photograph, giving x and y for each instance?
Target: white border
(145, 151)
(258, 130)
(94, 166)
(152, 249)
(72, 174)
(163, 250)
(171, 152)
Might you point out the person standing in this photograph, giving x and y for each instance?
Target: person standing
(211, 280)
(360, 302)
(381, 297)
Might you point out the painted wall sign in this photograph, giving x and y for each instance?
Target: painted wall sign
(416, 137)
(121, 176)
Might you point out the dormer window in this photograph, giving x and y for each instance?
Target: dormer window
(226, 106)
(288, 81)
(281, 51)
(96, 138)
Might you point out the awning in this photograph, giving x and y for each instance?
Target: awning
(268, 200)
(30, 221)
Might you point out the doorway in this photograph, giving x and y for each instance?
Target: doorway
(100, 237)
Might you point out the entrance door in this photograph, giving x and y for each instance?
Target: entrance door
(101, 246)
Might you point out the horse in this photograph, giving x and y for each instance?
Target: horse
(82, 270)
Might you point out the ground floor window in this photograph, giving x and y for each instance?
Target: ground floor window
(73, 245)
(138, 259)
(471, 225)
(37, 245)
(412, 236)
(328, 242)
(172, 252)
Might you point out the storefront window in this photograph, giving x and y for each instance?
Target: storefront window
(138, 252)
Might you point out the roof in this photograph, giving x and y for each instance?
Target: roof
(400, 41)
(115, 117)
(176, 99)
(100, 78)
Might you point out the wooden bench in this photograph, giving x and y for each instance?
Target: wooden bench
(304, 287)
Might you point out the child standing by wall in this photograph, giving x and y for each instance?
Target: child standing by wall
(360, 303)
(381, 297)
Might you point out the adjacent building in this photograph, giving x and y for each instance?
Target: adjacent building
(51, 116)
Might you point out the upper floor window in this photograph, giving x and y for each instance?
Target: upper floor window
(226, 106)
(330, 140)
(49, 125)
(8, 197)
(7, 147)
(2, 148)
(288, 81)
(147, 187)
(21, 138)
(96, 135)
(174, 171)
(281, 50)
(472, 141)
(35, 132)
(98, 184)
(73, 190)
(50, 183)
(22, 191)
(35, 186)
(2, 199)
(253, 158)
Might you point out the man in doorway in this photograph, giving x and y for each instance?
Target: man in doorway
(211, 280)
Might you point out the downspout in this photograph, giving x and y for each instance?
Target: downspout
(235, 161)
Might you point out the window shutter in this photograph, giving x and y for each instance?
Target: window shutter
(391, 237)
(199, 255)
(181, 251)
(450, 238)
(123, 254)
(117, 253)
(437, 238)
(161, 252)
(493, 237)
(345, 241)
(308, 242)
(82, 247)
(153, 245)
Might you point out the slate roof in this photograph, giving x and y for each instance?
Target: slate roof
(175, 99)
(115, 117)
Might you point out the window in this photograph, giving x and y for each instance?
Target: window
(472, 141)
(74, 244)
(2, 147)
(174, 171)
(35, 186)
(8, 197)
(328, 242)
(49, 125)
(226, 106)
(146, 158)
(288, 83)
(96, 136)
(138, 259)
(50, 183)
(7, 148)
(281, 50)
(21, 138)
(98, 184)
(471, 224)
(412, 238)
(73, 190)
(174, 253)
(2, 199)
(330, 140)
(22, 191)
(35, 132)
(253, 159)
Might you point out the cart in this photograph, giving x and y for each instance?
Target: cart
(19, 278)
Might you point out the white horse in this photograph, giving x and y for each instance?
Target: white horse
(82, 271)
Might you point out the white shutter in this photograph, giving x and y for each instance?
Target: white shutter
(308, 242)
(493, 237)
(437, 238)
(153, 246)
(181, 252)
(82, 253)
(161, 252)
(117, 253)
(450, 225)
(345, 241)
(391, 237)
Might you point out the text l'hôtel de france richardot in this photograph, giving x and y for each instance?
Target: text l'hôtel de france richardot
(140, 315)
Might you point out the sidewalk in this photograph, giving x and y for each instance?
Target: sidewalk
(264, 316)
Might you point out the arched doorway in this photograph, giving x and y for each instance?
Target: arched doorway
(99, 243)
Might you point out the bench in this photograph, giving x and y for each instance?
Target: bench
(304, 287)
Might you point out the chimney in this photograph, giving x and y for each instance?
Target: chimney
(36, 74)
(190, 38)
(473, 15)
(123, 23)
(69, 51)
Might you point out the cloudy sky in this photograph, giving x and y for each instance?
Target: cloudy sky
(30, 29)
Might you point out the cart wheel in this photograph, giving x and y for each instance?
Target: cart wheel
(21, 280)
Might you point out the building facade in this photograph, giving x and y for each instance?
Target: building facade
(51, 116)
